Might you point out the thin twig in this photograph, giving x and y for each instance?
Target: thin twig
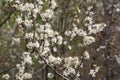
(1, 24)
(8, 69)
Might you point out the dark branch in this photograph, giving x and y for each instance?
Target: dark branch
(1, 24)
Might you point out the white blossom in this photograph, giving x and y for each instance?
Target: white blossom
(69, 47)
(27, 58)
(96, 28)
(50, 75)
(28, 23)
(6, 76)
(29, 35)
(54, 60)
(69, 71)
(94, 71)
(60, 40)
(86, 55)
(27, 76)
(54, 49)
(30, 45)
(15, 40)
(117, 58)
(53, 4)
(19, 20)
(88, 40)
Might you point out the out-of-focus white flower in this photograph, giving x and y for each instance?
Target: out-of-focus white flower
(96, 28)
(71, 62)
(29, 35)
(46, 43)
(48, 14)
(30, 45)
(10, 0)
(40, 2)
(73, 35)
(58, 60)
(69, 47)
(75, 62)
(36, 44)
(25, 7)
(69, 71)
(90, 7)
(94, 71)
(45, 51)
(54, 49)
(88, 40)
(27, 58)
(81, 32)
(19, 20)
(35, 11)
(21, 68)
(100, 47)
(27, 76)
(97, 69)
(6, 76)
(60, 40)
(89, 19)
(28, 23)
(54, 60)
(117, 58)
(15, 40)
(53, 4)
(78, 9)
(117, 9)
(86, 55)
(50, 75)
(47, 25)
(67, 33)
(54, 39)
(68, 61)
(50, 32)
(18, 66)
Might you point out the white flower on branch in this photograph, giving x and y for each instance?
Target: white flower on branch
(27, 58)
(86, 55)
(96, 28)
(117, 58)
(54, 49)
(28, 23)
(94, 71)
(54, 60)
(60, 40)
(27, 76)
(71, 62)
(69, 71)
(19, 20)
(53, 4)
(15, 40)
(29, 35)
(30, 45)
(6, 76)
(21, 68)
(69, 47)
(48, 14)
(88, 40)
(50, 75)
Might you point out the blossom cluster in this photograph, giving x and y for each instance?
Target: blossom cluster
(43, 42)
